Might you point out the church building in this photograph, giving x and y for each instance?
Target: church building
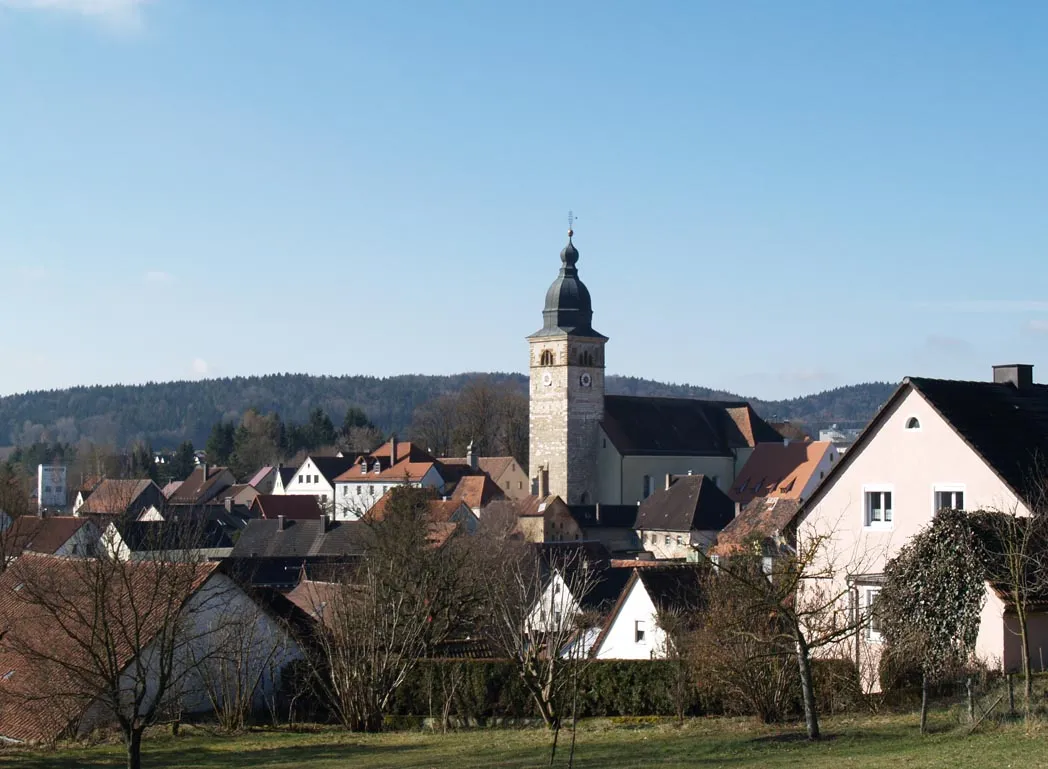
(591, 448)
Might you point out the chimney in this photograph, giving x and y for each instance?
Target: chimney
(669, 481)
(326, 518)
(1019, 375)
(228, 504)
(543, 482)
(203, 468)
(280, 523)
(598, 512)
(393, 449)
(738, 509)
(471, 458)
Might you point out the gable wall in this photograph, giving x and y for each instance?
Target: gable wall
(911, 462)
(620, 642)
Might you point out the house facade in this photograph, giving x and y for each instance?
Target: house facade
(634, 629)
(935, 444)
(368, 478)
(316, 477)
(683, 517)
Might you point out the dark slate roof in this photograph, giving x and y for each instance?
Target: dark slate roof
(673, 587)
(569, 309)
(282, 573)
(604, 516)
(691, 503)
(682, 426)
(1006, 425)
(145, 536)
(287, 474)
(606, 590)
(332, 467)
(263, 538)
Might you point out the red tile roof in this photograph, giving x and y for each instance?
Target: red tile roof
(298, 507)
(476, 491)
(40, 535)
(778, 470)
(114, 497)
(412, 465)
(196, 489)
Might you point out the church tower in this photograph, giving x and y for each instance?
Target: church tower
(566, 389)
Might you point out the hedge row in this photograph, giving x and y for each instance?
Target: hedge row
(481, 690)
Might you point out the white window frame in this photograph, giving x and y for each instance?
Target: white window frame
(869, 595)
(946, 488)
(867, 512)
(640, 632)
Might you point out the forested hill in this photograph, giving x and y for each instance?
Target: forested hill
(170, 412)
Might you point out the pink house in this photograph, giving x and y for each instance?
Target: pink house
(935, 444)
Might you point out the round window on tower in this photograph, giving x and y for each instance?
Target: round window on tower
(547, 379)
(585, 380)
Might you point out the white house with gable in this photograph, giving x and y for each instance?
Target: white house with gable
(935, 444)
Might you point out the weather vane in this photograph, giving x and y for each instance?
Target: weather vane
(571, 223)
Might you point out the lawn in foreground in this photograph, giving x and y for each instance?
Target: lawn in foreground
(852, 742)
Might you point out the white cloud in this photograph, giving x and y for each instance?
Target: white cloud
(984, 306)
(158, 276)
(124, 15)
(200, 367)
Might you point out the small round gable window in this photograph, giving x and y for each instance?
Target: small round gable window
(913, 423)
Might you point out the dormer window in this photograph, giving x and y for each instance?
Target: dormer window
(546, 358)
(913, 423)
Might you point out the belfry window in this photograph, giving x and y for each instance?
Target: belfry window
(585, 358)
(546, 359)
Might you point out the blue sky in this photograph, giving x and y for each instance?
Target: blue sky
(772, 198)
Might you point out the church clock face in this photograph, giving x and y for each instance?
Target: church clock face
(547, 379)
(585, 380)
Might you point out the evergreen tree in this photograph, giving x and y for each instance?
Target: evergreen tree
(355, 417)
(143, 461)
(183, 462)
(221, 442)
(321, 430)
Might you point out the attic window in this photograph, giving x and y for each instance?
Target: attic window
(913, 423)
(788, 487)
(757, 486)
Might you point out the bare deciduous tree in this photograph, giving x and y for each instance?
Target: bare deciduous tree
(806, 591)
(108, 639)
(534, 616)
(237, 661)
(381, 617)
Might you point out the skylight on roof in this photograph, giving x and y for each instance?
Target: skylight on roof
(19, 586)
(7, 676)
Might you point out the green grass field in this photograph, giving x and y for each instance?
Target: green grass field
(857, 741)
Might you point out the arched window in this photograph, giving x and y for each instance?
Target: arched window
(546, 359)
(913, 423)
(585, 358)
